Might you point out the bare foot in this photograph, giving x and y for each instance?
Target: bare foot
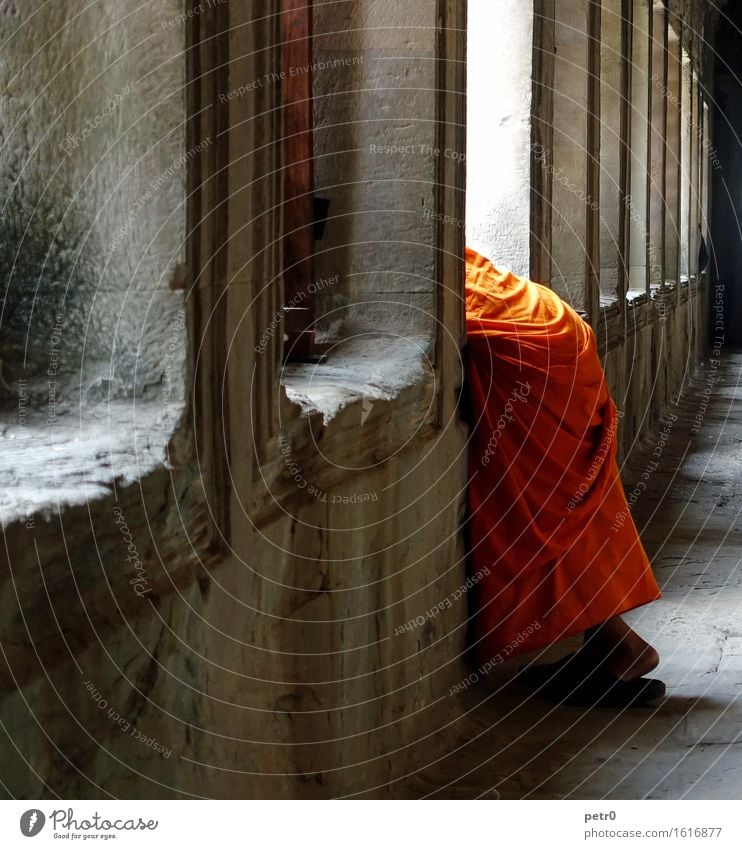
(620, 650)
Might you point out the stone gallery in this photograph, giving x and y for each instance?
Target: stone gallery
(369, 396)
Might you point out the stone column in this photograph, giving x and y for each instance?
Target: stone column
(638, 204)
(576, 155)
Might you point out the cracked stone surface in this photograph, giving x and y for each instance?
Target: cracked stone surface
(509, 745)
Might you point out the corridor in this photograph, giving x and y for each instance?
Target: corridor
(688, 745)
(236, 382)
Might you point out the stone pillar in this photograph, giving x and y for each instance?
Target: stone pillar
(576, 152)
(694, 194)
(686, 182)
(658, 149)
(673, 159)
(639, 245)
(612, 70)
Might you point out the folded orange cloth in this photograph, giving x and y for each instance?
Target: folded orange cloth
(553, 547)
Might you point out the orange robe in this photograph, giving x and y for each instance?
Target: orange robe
(553, 546)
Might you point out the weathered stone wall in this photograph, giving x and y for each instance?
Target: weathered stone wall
(650, 366)
(91, 188)
(145, 655)
(283, 670)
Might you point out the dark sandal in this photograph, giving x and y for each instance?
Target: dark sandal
(574, 681)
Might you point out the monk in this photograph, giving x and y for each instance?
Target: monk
(552, 542)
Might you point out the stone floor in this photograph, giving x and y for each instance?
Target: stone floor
(513, 746)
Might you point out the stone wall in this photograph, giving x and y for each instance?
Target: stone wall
(283, 670)
(649, 365)
(92, 170)
(304, 646)
(251, 619)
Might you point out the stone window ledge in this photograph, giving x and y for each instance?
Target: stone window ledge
(370, 368)
(368, 401)
(636, 297)
(79, 455)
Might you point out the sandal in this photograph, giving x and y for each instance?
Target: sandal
(576, 681)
